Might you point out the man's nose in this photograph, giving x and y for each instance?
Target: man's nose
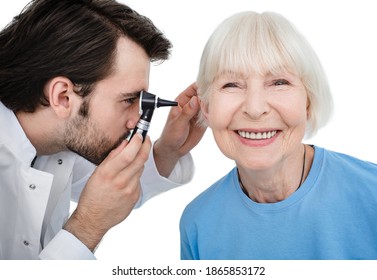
(134, 113)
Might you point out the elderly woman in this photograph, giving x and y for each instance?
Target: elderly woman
(262, 90)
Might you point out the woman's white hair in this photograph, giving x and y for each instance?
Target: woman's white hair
(266, 42)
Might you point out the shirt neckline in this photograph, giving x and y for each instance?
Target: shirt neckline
(14, 137)
(294, 198)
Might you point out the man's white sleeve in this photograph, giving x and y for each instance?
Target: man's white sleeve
(65, 246)
(152, 183)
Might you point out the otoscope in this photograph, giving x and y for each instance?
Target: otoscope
(148, 102)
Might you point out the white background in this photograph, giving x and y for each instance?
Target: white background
(343, 33)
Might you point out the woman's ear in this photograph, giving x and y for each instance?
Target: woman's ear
(308, 108)
(61, 96)
(203, 112)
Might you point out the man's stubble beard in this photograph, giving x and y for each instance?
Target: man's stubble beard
(85, 138)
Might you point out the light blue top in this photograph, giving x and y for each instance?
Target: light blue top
(333, 215)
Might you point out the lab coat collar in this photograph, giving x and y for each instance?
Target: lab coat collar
(14, 137)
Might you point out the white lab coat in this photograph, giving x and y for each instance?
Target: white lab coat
(35, 201)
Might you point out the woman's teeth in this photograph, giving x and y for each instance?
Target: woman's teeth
(258, 135)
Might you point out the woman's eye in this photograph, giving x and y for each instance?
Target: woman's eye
(230, 85)
(280, 82)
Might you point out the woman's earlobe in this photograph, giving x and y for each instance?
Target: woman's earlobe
(203, 117)
(204, 106)
(308, 108)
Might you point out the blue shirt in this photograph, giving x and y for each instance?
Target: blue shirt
(333, 215)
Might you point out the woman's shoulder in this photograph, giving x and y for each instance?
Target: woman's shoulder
(213, 195)
(347, 164)
(346, 158)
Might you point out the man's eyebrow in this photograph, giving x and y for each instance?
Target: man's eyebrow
(130, 94)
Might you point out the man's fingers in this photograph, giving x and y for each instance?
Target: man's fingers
(126, 154)
(139, 159)
(116, 151)
(186, 95)
(188, 111)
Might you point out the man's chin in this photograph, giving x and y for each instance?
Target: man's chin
(94, 159)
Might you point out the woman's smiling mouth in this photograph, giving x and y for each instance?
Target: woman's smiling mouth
(257, 135)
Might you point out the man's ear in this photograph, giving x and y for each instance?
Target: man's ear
(61, 96)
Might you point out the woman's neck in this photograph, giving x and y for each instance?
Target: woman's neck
(280, 181)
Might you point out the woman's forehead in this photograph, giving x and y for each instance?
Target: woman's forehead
(246, 73)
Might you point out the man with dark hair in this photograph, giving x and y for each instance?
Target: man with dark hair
(71, 73)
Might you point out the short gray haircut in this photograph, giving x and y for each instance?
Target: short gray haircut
(266, 42)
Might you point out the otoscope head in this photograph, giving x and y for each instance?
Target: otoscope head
(149, 101)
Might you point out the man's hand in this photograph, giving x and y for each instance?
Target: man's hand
(110, 193)
(180, 134)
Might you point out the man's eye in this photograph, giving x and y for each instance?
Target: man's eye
(131, 100)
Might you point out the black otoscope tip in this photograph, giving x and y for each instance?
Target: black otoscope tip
(163, 102)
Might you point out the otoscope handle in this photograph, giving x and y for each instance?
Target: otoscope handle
(140, 131)
(143, 124)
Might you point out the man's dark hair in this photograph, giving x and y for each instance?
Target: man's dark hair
(76, 39)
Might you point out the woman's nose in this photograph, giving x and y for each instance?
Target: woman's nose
(256, 104)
